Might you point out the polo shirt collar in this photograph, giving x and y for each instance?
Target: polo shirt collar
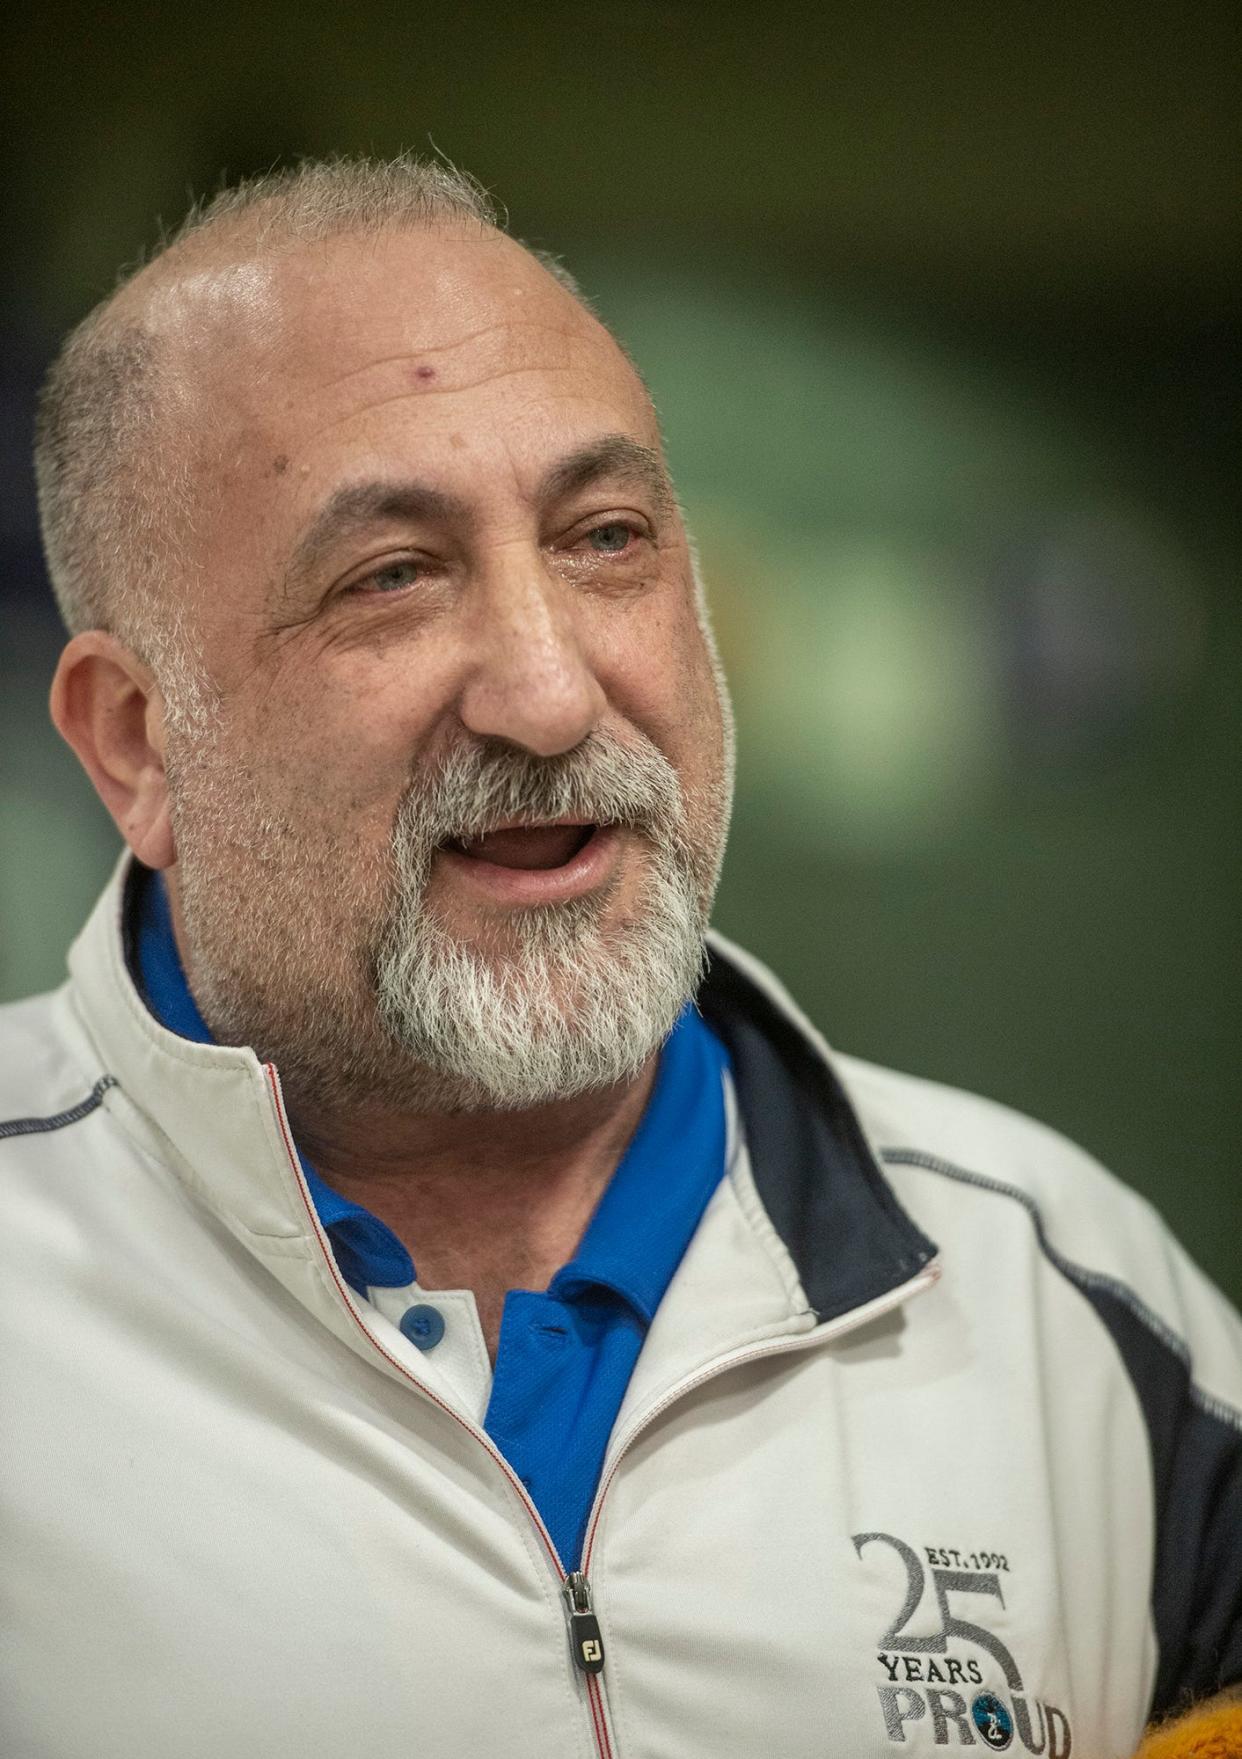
(652, 1205)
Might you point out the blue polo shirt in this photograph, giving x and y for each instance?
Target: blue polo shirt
(565, 1354)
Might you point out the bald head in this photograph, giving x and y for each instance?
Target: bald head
(123, 422)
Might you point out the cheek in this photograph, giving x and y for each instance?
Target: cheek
(287, 780)
(331, 741)
(659, 659)
(673, 701)
(694, 701)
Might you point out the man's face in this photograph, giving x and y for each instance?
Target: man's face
(444, 596)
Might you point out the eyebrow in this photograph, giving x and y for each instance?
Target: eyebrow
(358, 506)
(616, 455)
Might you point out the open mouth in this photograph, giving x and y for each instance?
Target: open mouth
(528, 847)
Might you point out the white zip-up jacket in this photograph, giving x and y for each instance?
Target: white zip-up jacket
(934, 1441)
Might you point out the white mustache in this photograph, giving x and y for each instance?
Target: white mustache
(484, 786)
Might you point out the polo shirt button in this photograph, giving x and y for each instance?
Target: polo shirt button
(424, 1326)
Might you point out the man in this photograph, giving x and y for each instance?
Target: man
(403, 1269)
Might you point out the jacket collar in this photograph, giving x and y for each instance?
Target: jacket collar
(817, 1176)
(212, 1104)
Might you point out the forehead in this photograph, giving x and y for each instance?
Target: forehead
(349, 340)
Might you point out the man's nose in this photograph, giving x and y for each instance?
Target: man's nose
(529, 679)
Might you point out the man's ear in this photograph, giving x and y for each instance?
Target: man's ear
(106, 704)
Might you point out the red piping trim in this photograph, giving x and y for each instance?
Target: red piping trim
(589, 1543)
(597, 1717)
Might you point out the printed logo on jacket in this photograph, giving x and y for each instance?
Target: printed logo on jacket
(942, 1688)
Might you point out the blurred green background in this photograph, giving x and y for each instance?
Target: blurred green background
(937, 305)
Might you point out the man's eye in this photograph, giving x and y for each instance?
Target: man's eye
(610, 540)
(391, 578)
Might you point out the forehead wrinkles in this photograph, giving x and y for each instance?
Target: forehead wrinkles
(349, 317)
(472, 309)
(505, 344)
(516, 389)
(351, 337)
(390, 412)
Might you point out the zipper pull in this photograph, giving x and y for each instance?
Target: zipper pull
(584, 1632)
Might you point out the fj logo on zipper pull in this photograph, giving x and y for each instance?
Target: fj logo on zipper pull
(584, 1633)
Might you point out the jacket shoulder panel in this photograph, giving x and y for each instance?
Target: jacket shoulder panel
(1084, 1216)
(1179, 1340)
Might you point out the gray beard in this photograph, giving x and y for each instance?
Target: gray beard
(572, 1005)
(405, 1016)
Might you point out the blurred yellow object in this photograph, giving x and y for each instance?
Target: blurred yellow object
(1204, 1734)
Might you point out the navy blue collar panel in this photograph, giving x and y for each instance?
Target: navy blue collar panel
(817, 1178)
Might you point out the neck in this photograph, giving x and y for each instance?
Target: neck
(486, 1201)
